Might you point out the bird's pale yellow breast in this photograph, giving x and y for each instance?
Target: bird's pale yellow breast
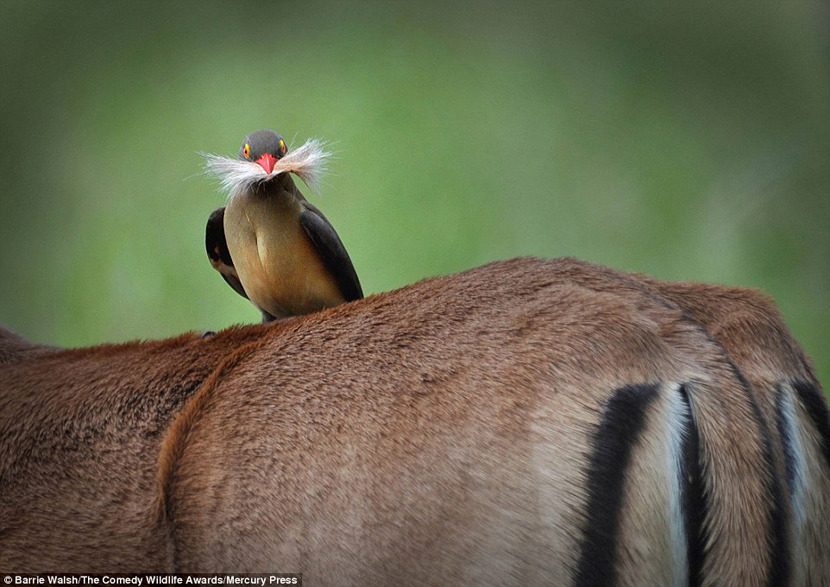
(279, 267)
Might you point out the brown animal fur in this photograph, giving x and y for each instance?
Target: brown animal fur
(747, 324)
(749, 327)
(80, 432)
(435, 433)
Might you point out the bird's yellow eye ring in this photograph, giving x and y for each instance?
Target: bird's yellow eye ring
(246, 152)
(282, 147)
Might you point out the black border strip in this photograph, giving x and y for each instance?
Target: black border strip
(778, 534)
(618, 431)
(693, 494)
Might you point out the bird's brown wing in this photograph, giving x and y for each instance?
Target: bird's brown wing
(331, 250)
(217, 250)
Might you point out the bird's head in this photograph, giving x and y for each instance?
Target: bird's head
(263, 147)
(262, 158)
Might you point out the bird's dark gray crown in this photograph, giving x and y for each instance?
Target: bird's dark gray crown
(260, 142)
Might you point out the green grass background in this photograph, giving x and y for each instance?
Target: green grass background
(685, 142)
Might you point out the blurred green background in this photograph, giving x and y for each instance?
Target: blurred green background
(687, 143)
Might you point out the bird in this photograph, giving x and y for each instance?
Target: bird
(268, 242)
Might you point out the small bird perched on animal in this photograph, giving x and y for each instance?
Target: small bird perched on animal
(269, 243)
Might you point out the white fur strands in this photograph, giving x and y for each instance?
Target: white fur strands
(308, 162)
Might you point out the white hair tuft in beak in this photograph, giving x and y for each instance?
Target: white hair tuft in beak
(308, 162)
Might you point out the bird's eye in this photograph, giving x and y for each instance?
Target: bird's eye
(246, 151)
(283, 149)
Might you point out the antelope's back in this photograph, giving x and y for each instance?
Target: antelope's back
(80, 434)
(526, 422)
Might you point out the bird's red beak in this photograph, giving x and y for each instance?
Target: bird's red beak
(267, 162)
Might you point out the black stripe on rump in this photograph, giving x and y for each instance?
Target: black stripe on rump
(694, 506)
(777, 533)
(816, 407)
(618, 431)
